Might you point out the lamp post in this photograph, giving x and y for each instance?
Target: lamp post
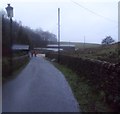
(9, 10)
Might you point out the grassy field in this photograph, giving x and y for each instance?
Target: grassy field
(81, 45)
(109, 53)
(88, 99)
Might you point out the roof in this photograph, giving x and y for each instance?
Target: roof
(49, 49)
(61, 45)
(20, 47)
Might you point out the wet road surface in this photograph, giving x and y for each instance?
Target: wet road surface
(40, 87)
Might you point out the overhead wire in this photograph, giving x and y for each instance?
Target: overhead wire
(89, 10)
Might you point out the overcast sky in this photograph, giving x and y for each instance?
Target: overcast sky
(92, 19)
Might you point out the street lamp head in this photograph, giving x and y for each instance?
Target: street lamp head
(9, 10)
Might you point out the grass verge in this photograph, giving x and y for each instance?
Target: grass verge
(15, 73)
(89, 100)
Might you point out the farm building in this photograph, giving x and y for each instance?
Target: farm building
(62, 47)
(19, 49)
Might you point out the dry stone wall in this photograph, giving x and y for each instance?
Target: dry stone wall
(102, 75)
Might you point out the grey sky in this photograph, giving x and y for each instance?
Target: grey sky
(77, 18)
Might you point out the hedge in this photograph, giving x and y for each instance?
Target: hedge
(17, 62)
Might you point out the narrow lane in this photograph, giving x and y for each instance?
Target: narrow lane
(40, 87)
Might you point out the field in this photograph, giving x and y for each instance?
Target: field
(81, 45)
(109, 53)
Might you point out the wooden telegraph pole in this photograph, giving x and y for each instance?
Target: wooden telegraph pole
(58, 34)
(84, 43)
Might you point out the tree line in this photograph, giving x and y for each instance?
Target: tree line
(24, 35)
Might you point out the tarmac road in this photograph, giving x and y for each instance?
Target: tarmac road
(40, 87)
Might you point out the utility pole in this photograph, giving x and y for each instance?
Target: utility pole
(84, 42)
(119, 21)
(58, 35)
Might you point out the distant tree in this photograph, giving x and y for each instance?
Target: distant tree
(22, 37)
(108, 40)
(46, 36)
